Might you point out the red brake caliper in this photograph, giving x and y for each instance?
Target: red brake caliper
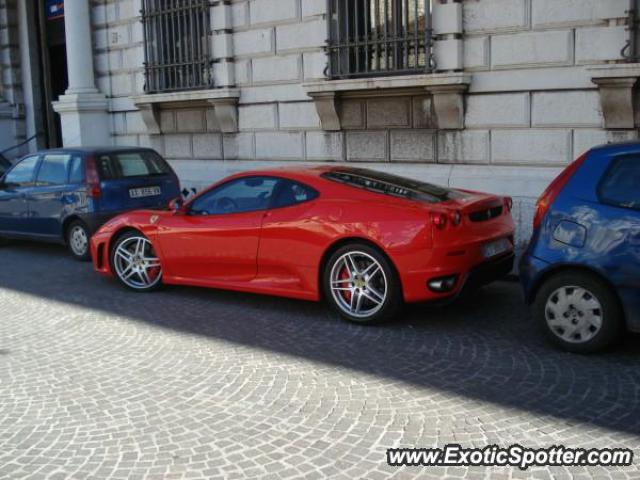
(345, 275)
(155, 271)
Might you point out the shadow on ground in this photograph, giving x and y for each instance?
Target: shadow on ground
(484, 348)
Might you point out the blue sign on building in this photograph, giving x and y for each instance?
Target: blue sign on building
(55, 9)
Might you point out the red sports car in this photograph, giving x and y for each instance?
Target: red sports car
(363, 240)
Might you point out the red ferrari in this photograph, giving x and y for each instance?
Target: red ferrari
(364, 241)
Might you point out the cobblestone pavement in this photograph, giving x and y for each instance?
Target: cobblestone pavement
(98, 382)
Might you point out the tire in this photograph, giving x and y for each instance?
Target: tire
(77, 237)
(578, 312)
(134, 262)
(376, 285)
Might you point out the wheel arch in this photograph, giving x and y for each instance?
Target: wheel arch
(331, 249)
(67, 222)
(119, 233)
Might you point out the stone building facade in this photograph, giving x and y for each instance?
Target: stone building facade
(517, 90)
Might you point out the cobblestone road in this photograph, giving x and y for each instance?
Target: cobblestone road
(98, 382)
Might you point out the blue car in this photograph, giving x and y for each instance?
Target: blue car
(581, 271)
(65, 195)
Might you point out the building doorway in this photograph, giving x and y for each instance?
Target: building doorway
(54, 64)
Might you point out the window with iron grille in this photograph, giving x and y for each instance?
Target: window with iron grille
(379, 37)
(176, 37)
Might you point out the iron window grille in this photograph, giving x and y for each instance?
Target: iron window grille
(176, 38)
(379, 37)
(631, 50)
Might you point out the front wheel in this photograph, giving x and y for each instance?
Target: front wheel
(362, 285)
(578, 312)
(135, 264)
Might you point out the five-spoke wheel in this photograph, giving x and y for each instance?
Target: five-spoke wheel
(135, 263)
(361, 284)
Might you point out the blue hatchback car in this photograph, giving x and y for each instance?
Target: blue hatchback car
(65, 195)
(581, 271)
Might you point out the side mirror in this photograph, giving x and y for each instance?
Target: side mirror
(176, 205)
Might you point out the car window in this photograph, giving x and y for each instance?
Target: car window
(237, 196)
(620, 184)
(288, 192)
(23, 172)
(54, 169)
(76, 171)
(132, 164)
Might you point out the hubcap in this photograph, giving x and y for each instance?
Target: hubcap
(136, 263)
(574, 314)
(78, 240)
(358, 284)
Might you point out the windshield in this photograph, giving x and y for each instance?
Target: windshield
(393, 185)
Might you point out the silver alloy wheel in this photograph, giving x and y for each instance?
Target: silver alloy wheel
(574, 314)
(136, 264)
(358, 284)
(78, 240)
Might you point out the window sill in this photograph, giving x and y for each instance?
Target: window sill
(223, 100)
(447, 90)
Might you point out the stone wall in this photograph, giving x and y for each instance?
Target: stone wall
(531, 101)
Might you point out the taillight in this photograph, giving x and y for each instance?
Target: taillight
(553, 190)
(92, 177)
(439, 220)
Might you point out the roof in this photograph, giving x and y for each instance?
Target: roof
(631, 145)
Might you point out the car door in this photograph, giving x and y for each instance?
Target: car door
(216, 238)
(51, 194)
(289, 245)
(14, 212)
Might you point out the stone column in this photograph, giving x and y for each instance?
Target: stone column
(82, 109)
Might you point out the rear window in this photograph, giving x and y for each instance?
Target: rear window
(620, 185)
(132, 164)
(393, 185)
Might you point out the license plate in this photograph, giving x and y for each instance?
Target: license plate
(144, 192)
(496, 248)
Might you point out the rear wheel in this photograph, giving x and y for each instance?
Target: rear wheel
(578, 312)
(361, 284)
(77, 237)
(134, 262)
